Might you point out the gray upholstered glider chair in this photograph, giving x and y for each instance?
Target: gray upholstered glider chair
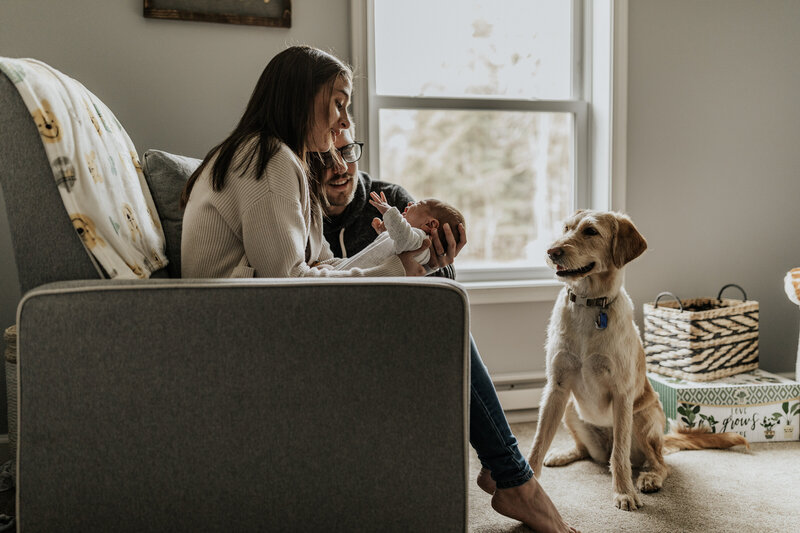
(224, 405)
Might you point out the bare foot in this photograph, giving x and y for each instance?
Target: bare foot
(486, 482)
(531, 505)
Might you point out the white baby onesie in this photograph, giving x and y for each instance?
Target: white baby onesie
(399, 237)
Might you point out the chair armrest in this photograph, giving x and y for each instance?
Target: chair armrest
(233, 405)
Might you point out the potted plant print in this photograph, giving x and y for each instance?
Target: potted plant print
(688, 414)
(767, 423)
(789, 412)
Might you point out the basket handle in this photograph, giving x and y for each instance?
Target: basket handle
(744, 294)
(655, 306)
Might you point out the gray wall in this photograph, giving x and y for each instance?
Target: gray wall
(713, 163)
(176, 85)
(713, 127)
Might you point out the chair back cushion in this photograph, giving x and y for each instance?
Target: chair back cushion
(166, 175)
(46, 246)
(96, 169)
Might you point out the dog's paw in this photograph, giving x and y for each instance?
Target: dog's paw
(627, 502)
(562, 457)
(649, 482)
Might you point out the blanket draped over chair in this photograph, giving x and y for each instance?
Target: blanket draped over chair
(791, 284)
(96, 169)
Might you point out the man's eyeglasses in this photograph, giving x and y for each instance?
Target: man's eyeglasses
(349, 152)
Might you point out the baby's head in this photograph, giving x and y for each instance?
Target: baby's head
(431, 214)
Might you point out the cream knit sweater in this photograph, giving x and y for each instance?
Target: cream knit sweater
(268, 221)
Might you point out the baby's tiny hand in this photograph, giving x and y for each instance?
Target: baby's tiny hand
(379, 202)
(378, 225)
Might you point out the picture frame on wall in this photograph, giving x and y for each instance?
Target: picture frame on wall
(275, 13)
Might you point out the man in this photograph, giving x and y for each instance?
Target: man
(350, 219)
(349, 226)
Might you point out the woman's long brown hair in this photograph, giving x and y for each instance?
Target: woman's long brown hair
(280, 110)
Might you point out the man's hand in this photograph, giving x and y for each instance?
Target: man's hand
(378, 225)
(410, 264)
(441, 257)
(379, 202)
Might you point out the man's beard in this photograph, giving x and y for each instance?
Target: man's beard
(341, 197)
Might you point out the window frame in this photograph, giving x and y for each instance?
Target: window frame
(599, 37)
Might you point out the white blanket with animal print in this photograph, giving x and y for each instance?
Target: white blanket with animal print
(791, 283)
(96, 169)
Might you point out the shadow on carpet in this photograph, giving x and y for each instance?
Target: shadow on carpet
(706, 491)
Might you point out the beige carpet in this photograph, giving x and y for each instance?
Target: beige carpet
(706, 491)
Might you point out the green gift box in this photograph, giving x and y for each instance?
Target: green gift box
(761, 406)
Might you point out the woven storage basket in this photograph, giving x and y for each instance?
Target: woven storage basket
(701, 339)
(10, 336)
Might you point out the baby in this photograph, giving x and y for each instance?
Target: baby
(402, 232)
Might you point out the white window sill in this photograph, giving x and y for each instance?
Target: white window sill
(512, 291)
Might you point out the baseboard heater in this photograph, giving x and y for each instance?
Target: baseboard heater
(520, 390)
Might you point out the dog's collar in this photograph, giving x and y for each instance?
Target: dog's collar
(602, 302)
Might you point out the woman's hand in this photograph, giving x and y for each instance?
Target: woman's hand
(439, 256)
(410, 264)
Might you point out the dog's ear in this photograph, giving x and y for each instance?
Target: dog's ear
(628, 243)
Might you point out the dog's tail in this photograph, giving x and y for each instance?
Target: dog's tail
(682, 438)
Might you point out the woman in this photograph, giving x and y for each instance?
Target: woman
(249, 209)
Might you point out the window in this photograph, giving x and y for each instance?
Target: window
(485, 105)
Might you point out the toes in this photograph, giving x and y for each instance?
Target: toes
(627, 502)
(648, 482)
(561, 458)
(553, 459)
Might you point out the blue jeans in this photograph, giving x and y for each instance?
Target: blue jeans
(489, 432)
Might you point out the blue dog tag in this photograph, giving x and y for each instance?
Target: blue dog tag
(602, 321)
